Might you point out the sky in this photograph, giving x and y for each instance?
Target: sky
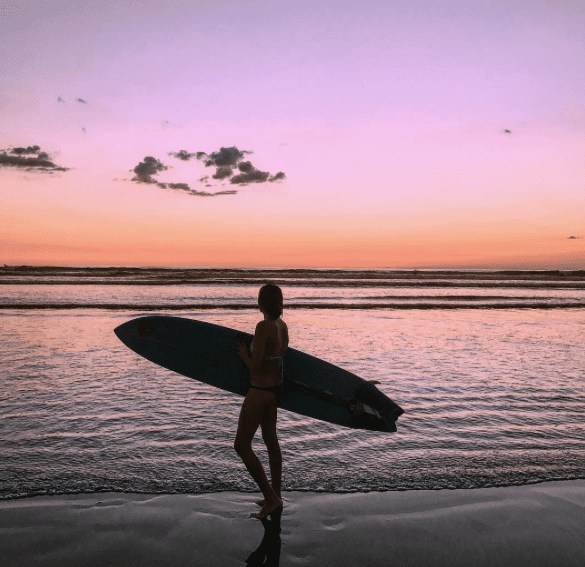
(379, 133)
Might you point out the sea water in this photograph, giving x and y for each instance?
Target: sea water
(489, 367)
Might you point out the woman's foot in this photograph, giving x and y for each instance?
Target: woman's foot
(268, 508)
(262, 502)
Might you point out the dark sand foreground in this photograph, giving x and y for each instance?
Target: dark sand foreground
(535, 525)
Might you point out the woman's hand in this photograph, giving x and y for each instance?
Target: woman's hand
(243, 351)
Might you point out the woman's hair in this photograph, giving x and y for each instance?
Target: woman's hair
(271, 300)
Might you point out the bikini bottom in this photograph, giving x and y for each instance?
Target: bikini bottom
(276, 390)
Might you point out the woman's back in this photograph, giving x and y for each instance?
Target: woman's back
(269, 373)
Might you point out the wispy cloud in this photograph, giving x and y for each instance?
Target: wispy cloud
(182, 155)
(31, 158)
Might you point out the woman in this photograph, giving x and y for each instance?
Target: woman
(259, 407)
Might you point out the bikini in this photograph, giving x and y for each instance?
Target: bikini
(276, 390)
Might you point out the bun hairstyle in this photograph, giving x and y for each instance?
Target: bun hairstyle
(270, 299)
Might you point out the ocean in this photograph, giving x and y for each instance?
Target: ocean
(488, 365)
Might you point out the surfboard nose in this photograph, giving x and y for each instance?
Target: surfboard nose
(143, 327)
(128, 331)
(123, 331)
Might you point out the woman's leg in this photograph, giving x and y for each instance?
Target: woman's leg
(250, 418)
(270, 438)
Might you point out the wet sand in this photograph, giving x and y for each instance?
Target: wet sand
(535, 525)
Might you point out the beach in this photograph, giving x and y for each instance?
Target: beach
(537, 525)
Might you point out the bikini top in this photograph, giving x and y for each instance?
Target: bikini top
(266, 357)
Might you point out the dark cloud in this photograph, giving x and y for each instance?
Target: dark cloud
(573, 237)
(183, 186)
(246, 166)
(151, 166)
(27, 150)
(255, 176)
(226, 160)
(21, 157)
(507, 131)
(147, 168)
(81, 100)
(60, 100)
(182, 155)
(222, 172)
(224, 157)
(278, 177)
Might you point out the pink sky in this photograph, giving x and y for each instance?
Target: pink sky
(388, 119)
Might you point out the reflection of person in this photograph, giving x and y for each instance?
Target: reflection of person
(259, 407)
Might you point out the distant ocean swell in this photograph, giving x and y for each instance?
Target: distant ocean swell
(48, 275)
(310, 282)
(340, 306)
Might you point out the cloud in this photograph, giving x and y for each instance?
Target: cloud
(222, 172)
(81, 100)
(255, 176)
(182, 155)
(229, 158)
(278, 177)
(574, 237)
(185, 187)
(22, 157)
(27, 150)
(147, 168)
(224, 157)
(226, 160)
(245, 166)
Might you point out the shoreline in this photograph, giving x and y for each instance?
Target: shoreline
(536, 524)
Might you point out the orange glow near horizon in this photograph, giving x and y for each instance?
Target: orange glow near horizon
(429, 137)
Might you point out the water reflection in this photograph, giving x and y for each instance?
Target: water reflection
(268, 552)
(471, 381)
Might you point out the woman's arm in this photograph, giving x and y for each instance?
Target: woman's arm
(254, 361)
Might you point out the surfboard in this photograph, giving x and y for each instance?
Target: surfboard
(312, 387)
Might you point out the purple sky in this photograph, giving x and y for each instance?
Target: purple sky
(387, 118)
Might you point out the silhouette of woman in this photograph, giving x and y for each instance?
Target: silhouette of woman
(265, 362)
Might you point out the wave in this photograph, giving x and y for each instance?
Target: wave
(399, 482)
(339, 306)
(313, 283)
(42, 274)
